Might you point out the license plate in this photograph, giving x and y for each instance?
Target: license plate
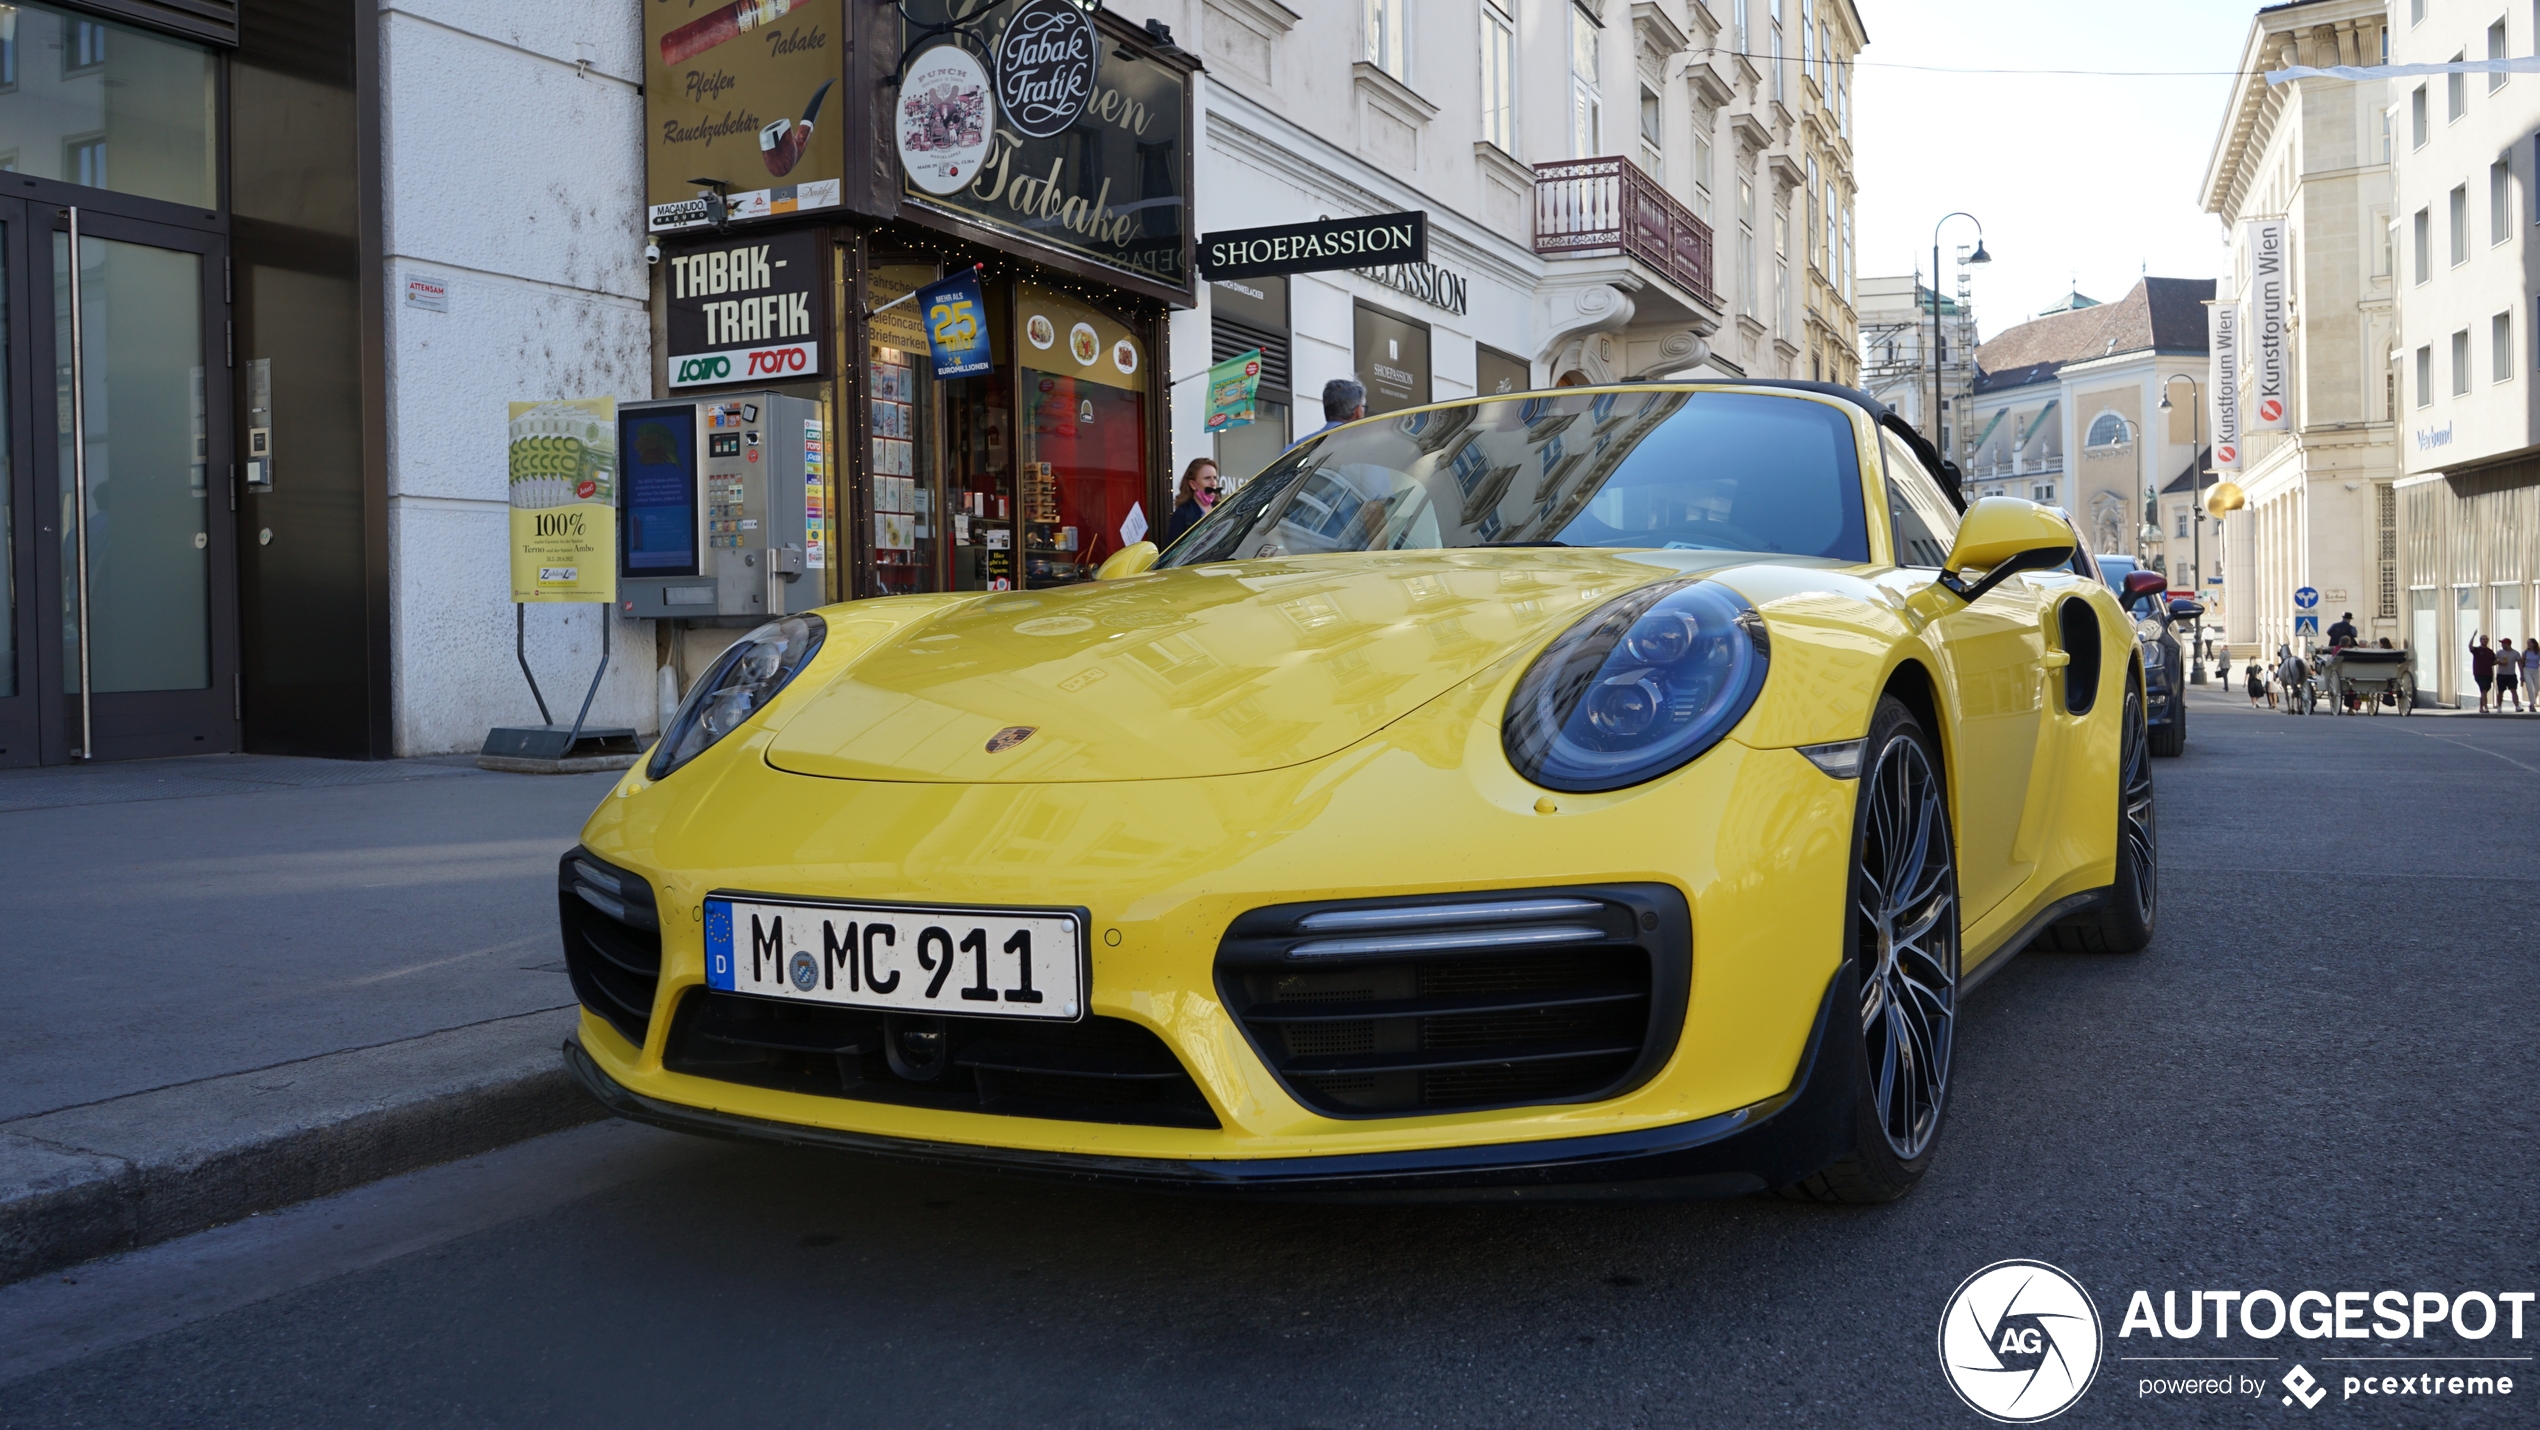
(901, 958)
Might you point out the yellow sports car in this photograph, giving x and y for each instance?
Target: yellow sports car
(1531, 796)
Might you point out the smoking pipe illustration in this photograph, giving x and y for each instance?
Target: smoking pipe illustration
(729, 23)
(782, 142)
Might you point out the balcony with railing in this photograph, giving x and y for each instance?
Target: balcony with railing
(1598, 208)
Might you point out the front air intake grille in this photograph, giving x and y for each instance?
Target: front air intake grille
(1456, 1003)
(1096, 1070)
(612, 941)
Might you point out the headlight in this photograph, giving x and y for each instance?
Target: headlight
(2151, 633)
(738, 685)
(1638, 688)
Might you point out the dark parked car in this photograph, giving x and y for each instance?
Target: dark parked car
(2158, 622)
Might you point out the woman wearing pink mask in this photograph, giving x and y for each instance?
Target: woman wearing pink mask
(1198, 492)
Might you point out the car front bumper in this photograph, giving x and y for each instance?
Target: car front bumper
(1766, 1144)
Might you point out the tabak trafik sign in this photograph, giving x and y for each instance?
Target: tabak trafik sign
(1086, 139)
(740, 93)
(746, 310)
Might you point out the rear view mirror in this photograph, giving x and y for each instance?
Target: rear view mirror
(2139, 584)
(2001, 537)
(2185, 610)
(1129, 560)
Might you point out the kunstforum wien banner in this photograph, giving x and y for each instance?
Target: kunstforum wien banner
(2270, 404)
(2222, 380)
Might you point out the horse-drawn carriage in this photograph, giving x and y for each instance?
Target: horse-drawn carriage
(2363, 676)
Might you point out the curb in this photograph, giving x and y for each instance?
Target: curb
(107, 1177)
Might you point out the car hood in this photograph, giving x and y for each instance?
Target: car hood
(1232, 668)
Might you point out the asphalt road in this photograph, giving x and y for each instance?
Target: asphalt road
(2320, 1076)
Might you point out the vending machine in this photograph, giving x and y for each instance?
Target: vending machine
(723, 513)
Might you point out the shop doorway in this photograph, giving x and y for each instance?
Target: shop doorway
(130, 652)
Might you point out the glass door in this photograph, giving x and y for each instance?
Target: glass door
(121, 560)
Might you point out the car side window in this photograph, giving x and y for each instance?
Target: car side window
(1924, 522)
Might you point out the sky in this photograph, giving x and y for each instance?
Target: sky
(2079, 180)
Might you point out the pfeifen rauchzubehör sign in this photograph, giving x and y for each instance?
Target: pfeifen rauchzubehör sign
(739, 94)
(1106, 183)
(746, 310)
(2267, 394)
(1372, 242)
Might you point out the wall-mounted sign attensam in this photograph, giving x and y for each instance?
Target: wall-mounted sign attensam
(956, 319)
(733, 96)
(1046, 61)
(746, 310)
(1110, 184)
(946, 119)
(429, 291)
(1320, 247)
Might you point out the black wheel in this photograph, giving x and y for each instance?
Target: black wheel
(2121, 921)
(1904, 946)
(2170, 740)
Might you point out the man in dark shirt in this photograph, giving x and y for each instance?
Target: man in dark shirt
(2343, 633)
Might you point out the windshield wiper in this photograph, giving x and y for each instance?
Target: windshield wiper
(1528, 543)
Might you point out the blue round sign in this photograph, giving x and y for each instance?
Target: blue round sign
(2306, 598)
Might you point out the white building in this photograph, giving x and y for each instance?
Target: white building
(2469, 315)
(1897, 343)
(2316, 155)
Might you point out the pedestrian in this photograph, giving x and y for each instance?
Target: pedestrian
(2257, 683)
(2508, 675)
(2482, 668)
(1344, 400)
(2343, 633)
(1191, 501)
(2531, 673)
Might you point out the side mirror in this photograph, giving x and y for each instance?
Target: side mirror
(1127, 561)
(2187, 610)
(2001, 537)
(2139, 584)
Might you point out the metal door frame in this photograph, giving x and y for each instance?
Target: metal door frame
(24, 718)
(136, 724)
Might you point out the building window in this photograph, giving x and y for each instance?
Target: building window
(1808, 38)
(2385, 136)
(2182, 523)
(1780, 89)
(2500, 201)
(86, 50)
(2425, 376)
(2496, 51)
(1499, 77)
(1746, 245)
(2500, 340)
(2456, 90)
(2460, 224)
(2460, 363)
(1653, 136)
(2381, 250)
(2424, 244)
(1587, 106)
(1738, 23)
(2107, 430)
(1702, 178)
(1386, 47)
(84, 161)
(2416, 118)
(2416, 12)
(2042, 493)
(1781, 272)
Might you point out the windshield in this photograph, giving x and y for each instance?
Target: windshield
(1700, 471)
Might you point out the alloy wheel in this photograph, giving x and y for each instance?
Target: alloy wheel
(1908, 918)
(2135, 824)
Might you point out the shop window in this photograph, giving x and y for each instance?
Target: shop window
(1392, 355)
(1247, 314)
(151, 96)
(1081, 488)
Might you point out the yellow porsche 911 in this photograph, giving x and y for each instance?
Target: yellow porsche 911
(1604, 789)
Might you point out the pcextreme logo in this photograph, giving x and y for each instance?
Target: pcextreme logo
(2019, 1342)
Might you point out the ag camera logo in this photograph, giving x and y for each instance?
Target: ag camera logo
(2019, 1342)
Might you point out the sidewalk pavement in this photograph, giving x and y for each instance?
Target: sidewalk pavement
(239, 981)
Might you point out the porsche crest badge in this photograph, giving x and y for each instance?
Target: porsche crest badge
(1009, 737)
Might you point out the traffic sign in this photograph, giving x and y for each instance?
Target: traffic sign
(2306, 625)
(2306, 598)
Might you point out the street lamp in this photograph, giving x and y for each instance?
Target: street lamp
(1979, 256)
(2196, 511)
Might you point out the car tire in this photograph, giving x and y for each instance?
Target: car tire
(2169, 740)
(1903, 940)
(2121, 919)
